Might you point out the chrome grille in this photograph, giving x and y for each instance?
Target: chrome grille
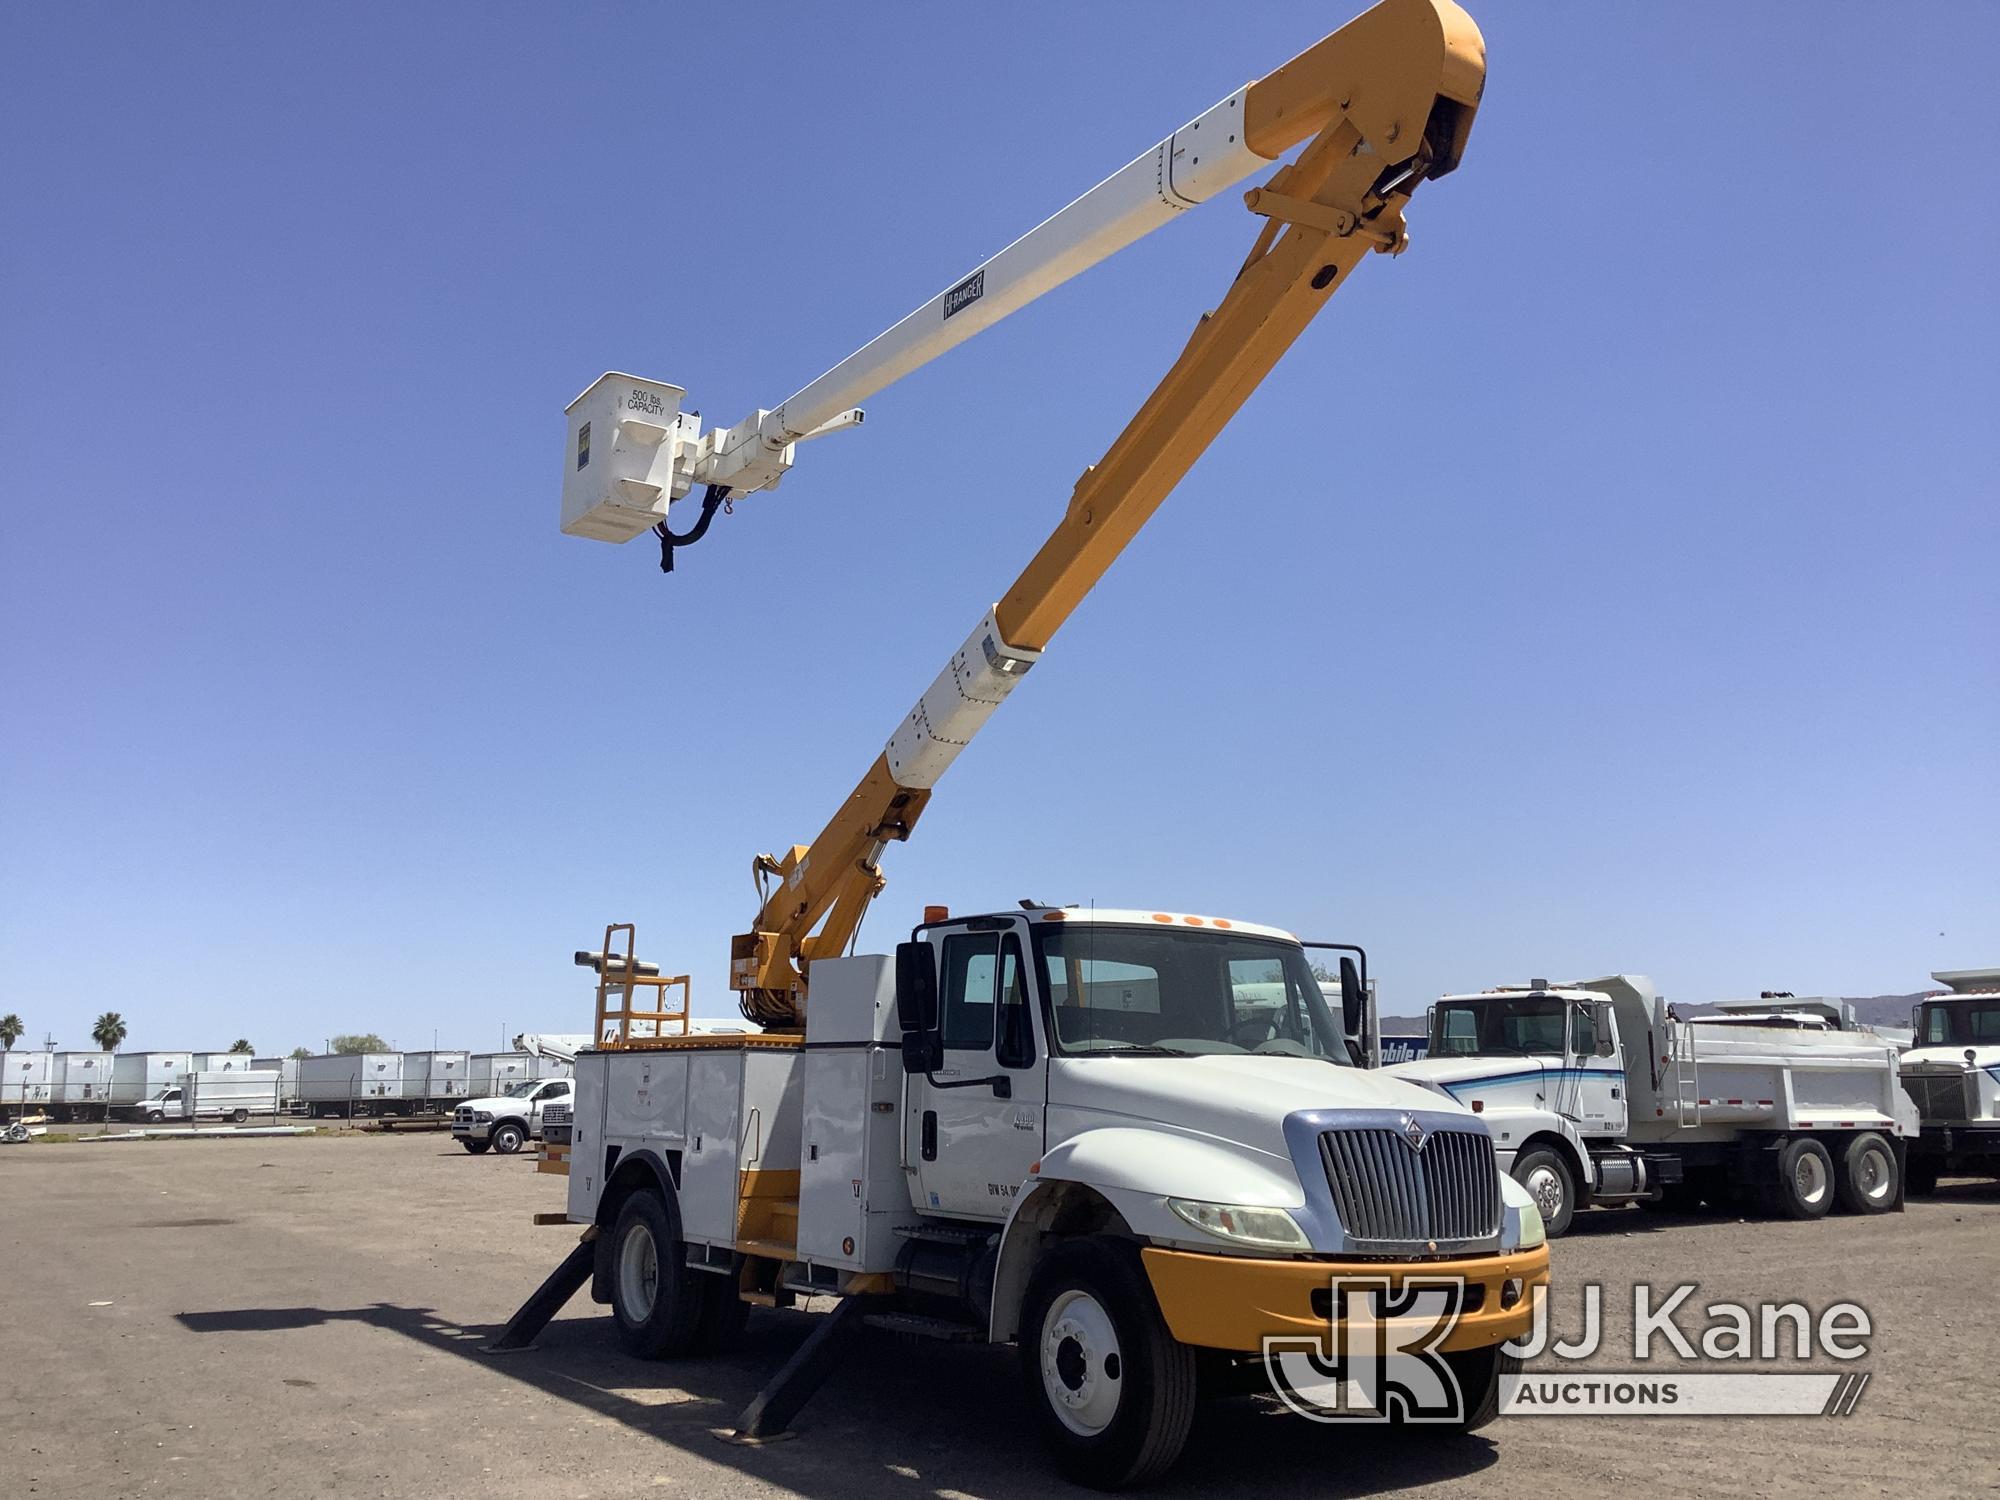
(1384, 1190)
(1938, 1096)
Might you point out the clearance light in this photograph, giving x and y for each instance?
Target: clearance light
(1246, 1225)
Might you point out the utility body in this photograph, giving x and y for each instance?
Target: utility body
(1952, 1073)
(1596, 1093)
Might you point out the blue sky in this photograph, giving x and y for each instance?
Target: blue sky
(1605, 584)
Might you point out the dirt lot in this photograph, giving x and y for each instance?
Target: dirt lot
(302, 1316)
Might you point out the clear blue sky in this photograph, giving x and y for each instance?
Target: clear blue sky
(1606, 584)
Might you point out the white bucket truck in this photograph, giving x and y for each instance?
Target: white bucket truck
(1596, 1093)
(1090, 1134)
(1952, 1073)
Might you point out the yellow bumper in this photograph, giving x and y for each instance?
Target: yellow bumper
(1233, 1302)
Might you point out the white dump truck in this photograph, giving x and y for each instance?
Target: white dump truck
(1952, 1073)
(1088, 1133)
(1596, 1093)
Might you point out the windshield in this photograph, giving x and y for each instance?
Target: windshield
(1959, 1025)
(1474, 1028)
(1176, 991)
(522, 1090)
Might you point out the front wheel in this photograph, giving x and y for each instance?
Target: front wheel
(1805, 1186)
(1546, 1174)
(1112, 1390)
(1867, 1182)
(508, 1138)
(154, 1117)
(1479, 1373)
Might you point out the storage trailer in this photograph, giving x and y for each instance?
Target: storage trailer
(287, 1069)
(139, 1076)
(82, 1086)
(435, 1082)
(1597, 1093)
(495, 1073)
(352, 1085)
(27, 1083)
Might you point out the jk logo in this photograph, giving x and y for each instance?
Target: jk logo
(1380, 1357)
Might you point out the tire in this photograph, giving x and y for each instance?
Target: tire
(477, 1148)
(508, 1137)
(1545, 1173)
(1920, 1176)
(238, 1116)
(1867, 1182)
(1479, 1373)
(154, 1117)
(655, 1301)
(1805, 1186)
(1112, 1391)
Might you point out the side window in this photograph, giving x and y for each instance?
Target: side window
(1461, 1031)
(1016, 1044)
(1583, 1032)
(556, 1091)
(971, 964)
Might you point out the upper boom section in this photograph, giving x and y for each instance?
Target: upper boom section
(632, 453)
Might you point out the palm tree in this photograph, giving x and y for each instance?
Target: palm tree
(109, 1031)
(10, 1031)
(242, 1045)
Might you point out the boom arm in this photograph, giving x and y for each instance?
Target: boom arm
(1382, 104)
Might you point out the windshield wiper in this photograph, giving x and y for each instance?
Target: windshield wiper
(1129, 1049)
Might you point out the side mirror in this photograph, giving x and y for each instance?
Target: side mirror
(923, 1052)
(916, 987)
(1431, 1037)
(1353, 1000)
(1600, 1016)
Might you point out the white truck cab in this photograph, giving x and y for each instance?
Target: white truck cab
(507, 1122)
(1952, 1073)
(1596, 1092)
(1131, 1142)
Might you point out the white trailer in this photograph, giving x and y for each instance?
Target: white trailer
(287, 1069)
(139, 1076)
(226, 1094)
(436, 1080)
(349, 1085)
(27, 1082)
(82, 1085)
(1597, 1093)
(1952, 1074)
(494, 1073)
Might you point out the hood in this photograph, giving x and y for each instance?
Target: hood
(1448, 1072)
(1232, 1096)
(492, 1103)
(1951, 1059)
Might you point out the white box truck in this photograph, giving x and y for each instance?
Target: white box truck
(1596, 1092)
(1088, 1133)
(352, 1085)
(1952, 1074)
(225, 1094)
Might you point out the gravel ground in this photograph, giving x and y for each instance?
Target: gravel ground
(301, 1317)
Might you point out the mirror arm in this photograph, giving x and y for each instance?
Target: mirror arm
(1003, 1086)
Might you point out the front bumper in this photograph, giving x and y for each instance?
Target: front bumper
(471, 1130)
(1236, 1302)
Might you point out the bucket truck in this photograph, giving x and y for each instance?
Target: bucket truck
(1135, 1143)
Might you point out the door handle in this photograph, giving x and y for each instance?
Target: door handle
(930, 1135)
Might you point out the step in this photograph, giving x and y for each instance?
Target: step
(924, 1327)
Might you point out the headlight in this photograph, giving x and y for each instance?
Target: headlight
(481, 1117)
(1240, 1222)
(1533, 1231)
(1523, 1228)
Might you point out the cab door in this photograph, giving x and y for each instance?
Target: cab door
(973, 1125)
(1599, 1082)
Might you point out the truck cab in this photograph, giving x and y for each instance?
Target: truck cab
(1952, 1075)
(507, 1122)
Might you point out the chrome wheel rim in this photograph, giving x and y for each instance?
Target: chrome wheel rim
(1809, 1178)
(1876, 1178)
(1545, 1186)
(638, 1274)
(1083, 1369)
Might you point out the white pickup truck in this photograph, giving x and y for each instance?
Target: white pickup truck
(507, 1122)
(1952, 1073)
(1595, 1092)
(1132, 1143)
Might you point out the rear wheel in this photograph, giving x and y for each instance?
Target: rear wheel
(1805, 1186)
(477, 1148)
(1545, 1173)
(655, 1299)
(238, 1116)
(1867, 1183)
(508, 1137)
(1112, 1390)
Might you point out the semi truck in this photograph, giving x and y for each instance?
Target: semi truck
(1064, 1130)
(1952, 1074)
(1597, 1093)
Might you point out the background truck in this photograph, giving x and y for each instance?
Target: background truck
(506, 1122)
(1952, 1073)
(1087, 1133)
(1596, 1093)
(227, 1094)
